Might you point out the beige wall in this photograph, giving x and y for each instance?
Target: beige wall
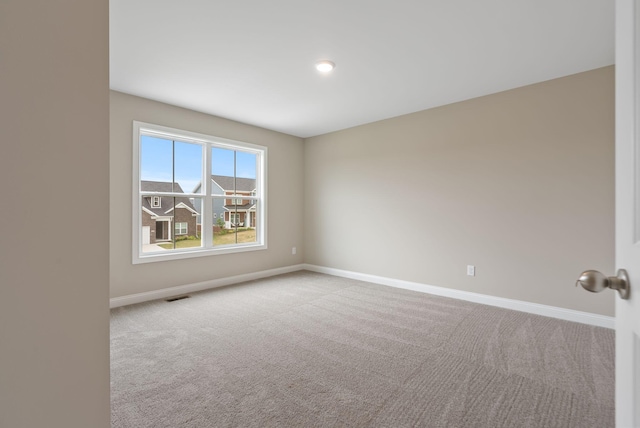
(519, 184)
(54, 261)
(285, 199)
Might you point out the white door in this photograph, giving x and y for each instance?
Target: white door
(628, 210)
(146, 235)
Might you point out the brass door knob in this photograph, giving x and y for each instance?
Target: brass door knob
(594, 281)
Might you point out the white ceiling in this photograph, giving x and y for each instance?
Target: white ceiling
(253, 60)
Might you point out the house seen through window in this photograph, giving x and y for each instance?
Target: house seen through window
(197, 194)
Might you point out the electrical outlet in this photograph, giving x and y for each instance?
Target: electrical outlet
(293, 250)
(471, 270)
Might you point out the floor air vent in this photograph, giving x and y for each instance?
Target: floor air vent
(173, 299)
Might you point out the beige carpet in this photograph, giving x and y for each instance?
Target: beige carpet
(312, 350)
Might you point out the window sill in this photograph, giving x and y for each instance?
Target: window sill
(162, 256)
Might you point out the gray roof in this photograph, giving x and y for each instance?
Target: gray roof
(241, 184)
(166, 202)
(160, 186)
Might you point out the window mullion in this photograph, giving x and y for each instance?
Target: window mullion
(207, 200)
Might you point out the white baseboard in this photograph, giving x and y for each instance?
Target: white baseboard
(198, 286)
(518, 305)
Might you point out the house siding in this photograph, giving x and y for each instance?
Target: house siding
(218, 204)
(241, 194)
(184, 215)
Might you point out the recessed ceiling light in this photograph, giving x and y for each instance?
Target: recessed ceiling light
(325, 66)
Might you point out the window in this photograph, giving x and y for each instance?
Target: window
(186, 179)
(181, 228)
(235, 218)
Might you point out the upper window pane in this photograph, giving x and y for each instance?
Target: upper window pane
(156, 159)
(174, 162)
(245, 165)
(222, 161)
(188, 166)
(233, 171)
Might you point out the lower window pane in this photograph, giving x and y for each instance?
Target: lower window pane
(171, 226)
(236, 224)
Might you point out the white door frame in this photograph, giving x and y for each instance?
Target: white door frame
(628, 211)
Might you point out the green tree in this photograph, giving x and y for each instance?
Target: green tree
(220, 223)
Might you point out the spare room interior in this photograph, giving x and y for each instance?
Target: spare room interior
(309, 214)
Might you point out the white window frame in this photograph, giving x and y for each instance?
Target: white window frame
(207, 218)
(153, 202)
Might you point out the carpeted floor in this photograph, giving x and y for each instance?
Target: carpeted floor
(312, 350)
